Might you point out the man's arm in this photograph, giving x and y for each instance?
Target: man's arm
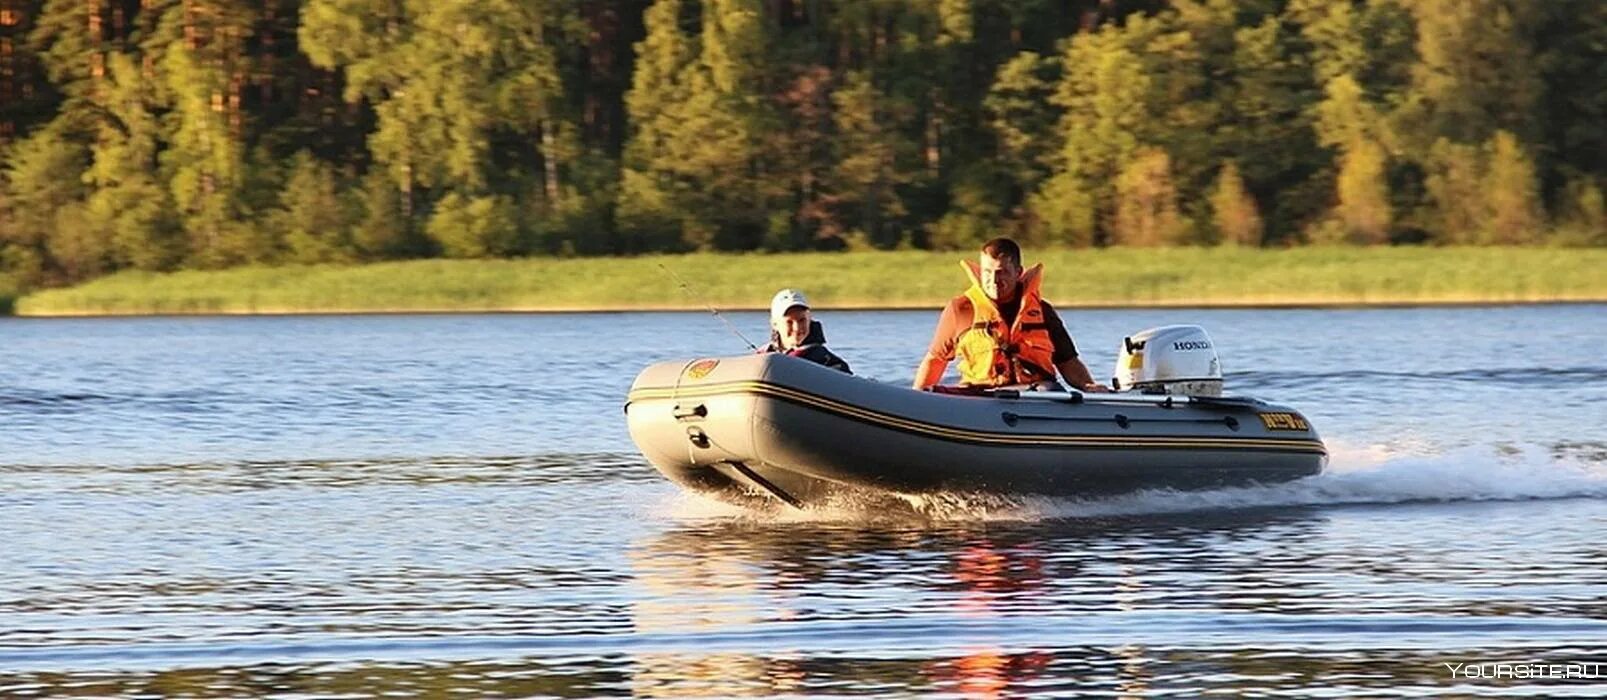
(1066, 360)
(929, 372)
(941, 350)
(1076, 374)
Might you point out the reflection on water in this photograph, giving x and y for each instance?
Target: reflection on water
(728, 577)
(965, 609)
(1254, 601)
(686, 592)
(497, 678)
(1122, 671)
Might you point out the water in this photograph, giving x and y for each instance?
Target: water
(437, 505)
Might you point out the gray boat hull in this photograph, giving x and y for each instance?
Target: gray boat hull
(768, 428)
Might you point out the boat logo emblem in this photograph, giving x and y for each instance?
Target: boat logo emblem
(701, 369)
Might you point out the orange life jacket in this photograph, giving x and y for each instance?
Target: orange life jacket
(991, 354)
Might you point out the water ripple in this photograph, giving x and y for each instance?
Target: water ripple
(1523, 377)
(933, 634)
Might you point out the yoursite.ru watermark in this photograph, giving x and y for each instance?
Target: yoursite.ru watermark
(1592, 670)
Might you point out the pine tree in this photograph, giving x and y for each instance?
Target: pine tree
(1510, 193)
(475, 227)
(873, 161)
(1476, 72)
(1234, 211)
(1332, 30)
(312, 215)
(1370, 41)
(1364, 205)
(204, 67)
(382, 232)
(1455, 190)
(1346, 117)
(444, 77)
(71, 38)
(1571, 44)
(119, 220)
(1022, 120)
(648, 212)
(1582, 220)
(1105, 97)
(295, 105)
(1349, 124)
(1189, 53)
(1360, 54)
(695, 162)
(802, 148)
(1146, 211)
(128, 206)
(43, 177)
(1266, 129)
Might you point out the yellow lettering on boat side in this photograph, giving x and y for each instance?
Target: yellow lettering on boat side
(1284, 421)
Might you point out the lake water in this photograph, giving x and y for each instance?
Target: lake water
(451, 505)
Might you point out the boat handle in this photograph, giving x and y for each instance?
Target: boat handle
(686, 413)
(698, 438)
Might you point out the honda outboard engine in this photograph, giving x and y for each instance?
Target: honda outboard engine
(1169, 360)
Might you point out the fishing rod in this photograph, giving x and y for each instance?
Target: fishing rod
(688, 289)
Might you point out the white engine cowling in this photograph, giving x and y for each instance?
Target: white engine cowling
(1169, 360)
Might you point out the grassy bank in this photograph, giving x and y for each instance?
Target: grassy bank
(1113, 277)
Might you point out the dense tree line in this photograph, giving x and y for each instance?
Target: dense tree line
(163, 134)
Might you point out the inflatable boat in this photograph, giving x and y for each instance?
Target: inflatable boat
(772, 428)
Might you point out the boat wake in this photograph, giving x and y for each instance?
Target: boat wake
(1369, 475)
(1377, 475)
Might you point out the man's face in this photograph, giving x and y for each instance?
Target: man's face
(793, 327)
(1000, 277)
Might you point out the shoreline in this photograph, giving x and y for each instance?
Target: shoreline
(1228, 278)
(826, 308)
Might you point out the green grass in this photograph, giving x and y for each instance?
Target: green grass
(1107, 277)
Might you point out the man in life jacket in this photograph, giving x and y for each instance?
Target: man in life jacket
(1002, 331)
(794, 331)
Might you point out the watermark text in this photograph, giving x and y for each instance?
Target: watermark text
(1592, 670)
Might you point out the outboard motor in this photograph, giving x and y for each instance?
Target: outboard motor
(1177, 360)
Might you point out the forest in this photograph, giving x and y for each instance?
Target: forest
(196, 134)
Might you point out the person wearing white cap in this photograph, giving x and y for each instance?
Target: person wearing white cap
(794, 331)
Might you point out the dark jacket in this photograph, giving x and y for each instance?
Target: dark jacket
(813, 348)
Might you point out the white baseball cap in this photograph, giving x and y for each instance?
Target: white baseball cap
(786, 299)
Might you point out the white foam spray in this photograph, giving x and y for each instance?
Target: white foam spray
(1372, 474)
(1376, 475)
